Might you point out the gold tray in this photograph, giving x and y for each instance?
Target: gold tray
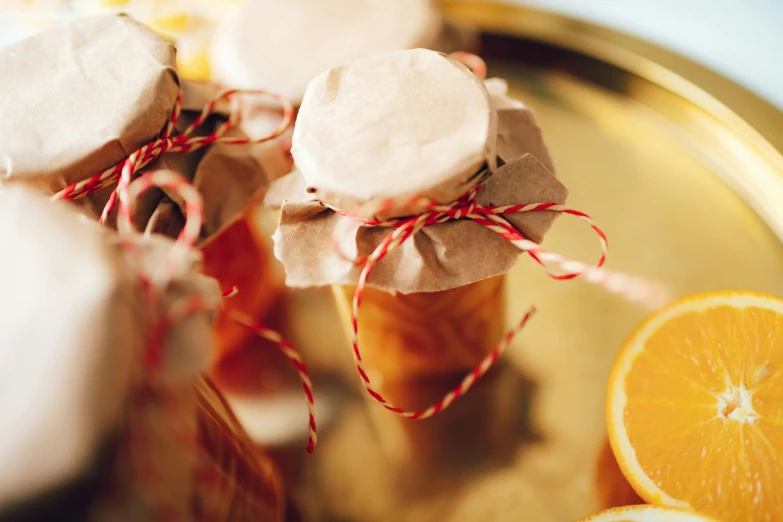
(683, 170)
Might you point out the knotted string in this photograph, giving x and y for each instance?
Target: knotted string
(425, 212)
(127, 193)
(490, 216)
(181, 143)
(152, 390)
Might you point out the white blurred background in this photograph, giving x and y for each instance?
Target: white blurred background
(742, 39)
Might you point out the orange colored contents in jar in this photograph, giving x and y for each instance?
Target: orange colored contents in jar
(409, 336)
(250, 486)
(239, 257)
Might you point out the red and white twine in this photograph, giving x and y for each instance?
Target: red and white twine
(466, 207)
(181, 143)
(476, 65)
(490, 216)
(127, 192)
(296, 360)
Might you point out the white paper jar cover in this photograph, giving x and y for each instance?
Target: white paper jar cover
(73, 319)
(392, 127)
(364, 134)
(281, 44)
(81, 96)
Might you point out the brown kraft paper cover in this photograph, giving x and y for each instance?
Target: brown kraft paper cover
(446, 131)
(80, 97)
(76, 279)
(229, 177)
(78, 430)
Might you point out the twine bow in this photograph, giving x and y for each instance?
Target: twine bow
(180, 143)
(490, 216)
(127, 192)
(467, 207)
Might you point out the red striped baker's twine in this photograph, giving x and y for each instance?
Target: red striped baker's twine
(466, 207)
(181, 143)
(194, 210)
(188, 307)
(476, 65)
(152, 357)
(296, 360)
(128, 193)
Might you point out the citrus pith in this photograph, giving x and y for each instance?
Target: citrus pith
(695, 406)
(647, 513)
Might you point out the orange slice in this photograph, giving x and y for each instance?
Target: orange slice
(612, 487)
(695, 406)
(647, 514)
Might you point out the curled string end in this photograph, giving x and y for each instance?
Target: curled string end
(230, 292)
(296, 361)
(492, 217)
(473, 62)
(480, 370)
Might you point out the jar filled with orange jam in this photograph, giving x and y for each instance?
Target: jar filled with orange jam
(416, 348)
(126, 427)
(393, 151)
(239, 257)
(424, 334)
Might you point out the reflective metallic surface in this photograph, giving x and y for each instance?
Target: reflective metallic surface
(683, 171)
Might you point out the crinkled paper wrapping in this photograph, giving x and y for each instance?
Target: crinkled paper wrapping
(80, 97)
(83, 433)
(73, 326)
(440, 256)
(229, 177)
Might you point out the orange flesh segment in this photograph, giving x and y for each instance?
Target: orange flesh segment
(704, 411)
